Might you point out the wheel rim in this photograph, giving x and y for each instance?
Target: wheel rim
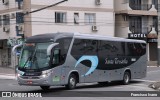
(126, 78)
(72, 82)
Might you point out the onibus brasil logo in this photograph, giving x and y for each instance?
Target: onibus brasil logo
(94, 63)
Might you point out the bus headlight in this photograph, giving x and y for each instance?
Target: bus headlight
(19, 73)
(45, 73)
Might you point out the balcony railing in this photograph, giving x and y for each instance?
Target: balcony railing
(140, 7)
(144, 30)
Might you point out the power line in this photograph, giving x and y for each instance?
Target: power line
(45, 7)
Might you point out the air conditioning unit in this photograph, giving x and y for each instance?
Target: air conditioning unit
(5, 2)
(20, 28)
(98, 2)
(94, 28)
(5, 29)
(13, 16)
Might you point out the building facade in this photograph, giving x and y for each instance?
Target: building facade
(138, 19)
(84, 16)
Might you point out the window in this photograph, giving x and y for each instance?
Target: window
(84, 47)
(154, 2)
(0, 21)
(135, 49)
(1, 44)
(110, 48)
(6, 19)
(76, 18)
(60, 17)
(90, 18)
(155, 23)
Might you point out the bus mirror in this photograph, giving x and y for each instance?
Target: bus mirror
(14, 49)
(56, 58)
(50, 48)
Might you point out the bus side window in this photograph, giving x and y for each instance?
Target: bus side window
(105, 49)
(78, 48)
(129, 49)
(84, 47)
(91, 47)
(135, 49)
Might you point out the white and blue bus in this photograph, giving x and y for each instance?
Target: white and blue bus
(70, 58)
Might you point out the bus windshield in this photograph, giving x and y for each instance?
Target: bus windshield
(34, 56)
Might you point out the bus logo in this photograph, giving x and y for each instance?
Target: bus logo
(94, 63)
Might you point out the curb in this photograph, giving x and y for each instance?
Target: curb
(153, 66)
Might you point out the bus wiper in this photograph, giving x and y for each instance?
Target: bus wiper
(28, 59)
(34, 59)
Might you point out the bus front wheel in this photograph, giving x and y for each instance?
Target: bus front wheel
(72, 81)
(126, 78)
(45, 87)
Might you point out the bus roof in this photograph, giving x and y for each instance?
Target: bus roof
(51, 37)
(103, 37)
(48, 37)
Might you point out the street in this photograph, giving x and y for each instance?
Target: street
(153, 74)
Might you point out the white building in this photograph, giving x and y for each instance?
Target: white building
(84, 16)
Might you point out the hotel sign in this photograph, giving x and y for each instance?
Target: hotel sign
(137, 36)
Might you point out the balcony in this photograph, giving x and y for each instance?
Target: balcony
(136, 7)
(144, 30)
(140, 7)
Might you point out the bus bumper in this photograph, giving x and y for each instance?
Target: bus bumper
(34, 82)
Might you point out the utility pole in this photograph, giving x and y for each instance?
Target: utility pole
(158, 35)
(20, 15)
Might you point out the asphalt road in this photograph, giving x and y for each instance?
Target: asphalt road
(92, 90)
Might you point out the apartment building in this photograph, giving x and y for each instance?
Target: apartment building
(138, 19)
(85, 16)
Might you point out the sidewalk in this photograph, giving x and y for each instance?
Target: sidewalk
(7, 70)
(7, 73)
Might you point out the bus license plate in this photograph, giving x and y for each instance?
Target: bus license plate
(29, 82)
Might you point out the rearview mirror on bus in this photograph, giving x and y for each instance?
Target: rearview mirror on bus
(14, 50)
(49, 49)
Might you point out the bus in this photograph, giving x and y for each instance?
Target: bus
(65, 59)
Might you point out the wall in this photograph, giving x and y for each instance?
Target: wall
(104, 17)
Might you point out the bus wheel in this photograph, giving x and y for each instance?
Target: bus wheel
(72, 81)
(126, 78)
(45, 87)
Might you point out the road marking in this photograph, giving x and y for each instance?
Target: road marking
(7, 77)
(144, 80)
(153, 71)
(7, 74)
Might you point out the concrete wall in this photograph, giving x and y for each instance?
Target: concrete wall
(121, 27)
(11, 4)
(77, 3)
(104, 22)
(45, 20)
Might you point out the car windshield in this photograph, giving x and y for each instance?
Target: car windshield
(34, 56)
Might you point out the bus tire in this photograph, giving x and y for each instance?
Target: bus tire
(72, 81)
(45, 87)
(126, 78)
